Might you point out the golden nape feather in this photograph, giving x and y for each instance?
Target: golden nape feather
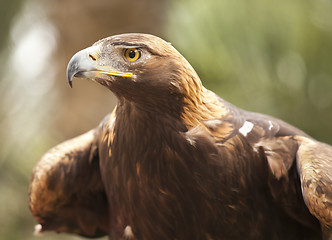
(175, 161)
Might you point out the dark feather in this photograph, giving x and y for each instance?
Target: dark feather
(175, 161)
(66, 191)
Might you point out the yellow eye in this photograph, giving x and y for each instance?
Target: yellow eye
(132, 54)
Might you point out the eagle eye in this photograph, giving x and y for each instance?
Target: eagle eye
(132, 54)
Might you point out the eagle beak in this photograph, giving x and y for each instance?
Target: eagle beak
(85, 63)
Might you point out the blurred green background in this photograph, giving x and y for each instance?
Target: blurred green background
(270, 57)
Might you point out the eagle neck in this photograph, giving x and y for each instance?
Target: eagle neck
(206, 107)
(136, 128)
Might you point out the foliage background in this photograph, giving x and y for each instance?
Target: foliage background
(270, 57)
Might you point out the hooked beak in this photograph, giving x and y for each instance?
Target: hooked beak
(85, 63)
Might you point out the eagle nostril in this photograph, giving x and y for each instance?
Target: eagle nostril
(92, 57)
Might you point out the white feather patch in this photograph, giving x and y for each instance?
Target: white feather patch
(38, 230)
(110, 126)
(246, 128)
(213, 123)
(191, 141)
(128, 233)
(270, 125)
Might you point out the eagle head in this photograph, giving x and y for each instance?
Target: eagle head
(141, 68)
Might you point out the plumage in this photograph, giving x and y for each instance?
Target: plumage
(66, 191)
(175, 161)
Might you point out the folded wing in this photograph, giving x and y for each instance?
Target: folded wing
(314, 163)
(66, 190)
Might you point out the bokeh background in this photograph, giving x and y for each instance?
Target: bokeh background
(265, 56)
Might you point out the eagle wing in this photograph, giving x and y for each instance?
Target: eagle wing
(66, 189)
(296, 161)
(314, 163)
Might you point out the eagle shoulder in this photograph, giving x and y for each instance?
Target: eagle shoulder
(274, 141)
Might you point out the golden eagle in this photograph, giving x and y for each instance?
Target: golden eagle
(174, 161)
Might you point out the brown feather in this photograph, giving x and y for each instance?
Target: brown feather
(175, 161)
(66, 191)
(314, 162)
